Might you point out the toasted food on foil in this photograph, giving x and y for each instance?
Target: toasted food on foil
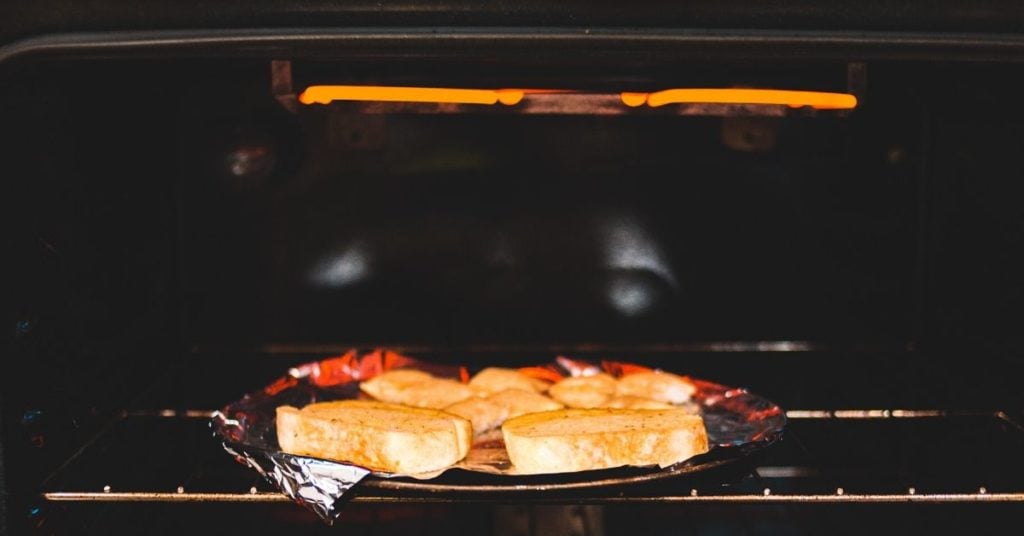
(489, 413)
(493, 379)
(584, 391)
(572, 440)
(375, 435)
(519, 402)
(661, 386)
(484, 414)
(634, 402)
(416, 388)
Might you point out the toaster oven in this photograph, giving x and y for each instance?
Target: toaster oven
(818, 202)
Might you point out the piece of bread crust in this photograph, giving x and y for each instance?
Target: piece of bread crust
(661, 386)
(376, 435)
(584, 391)
(571, 440)
(493, 380)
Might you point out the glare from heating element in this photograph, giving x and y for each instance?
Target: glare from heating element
(821, 100)
(327, 94)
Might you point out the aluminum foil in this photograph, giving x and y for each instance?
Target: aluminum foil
(737, 421)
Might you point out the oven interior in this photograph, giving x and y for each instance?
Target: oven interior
(181, 231)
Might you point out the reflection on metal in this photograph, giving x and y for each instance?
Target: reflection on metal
(628, 245)
(763, 497)
(341, 270)
(786, 472)
(185, 413)
(152, 496)
(631, 252)
(697, 346)
(879, 413)
(281, 84)
(1002, 415)
(630, 297)
(750, 134)
(572, 104)
(764, 346)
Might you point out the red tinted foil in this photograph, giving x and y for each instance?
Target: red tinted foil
(737, 422)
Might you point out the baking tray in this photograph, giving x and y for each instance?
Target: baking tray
(738, 423)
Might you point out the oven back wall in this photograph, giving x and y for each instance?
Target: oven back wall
(527, 229)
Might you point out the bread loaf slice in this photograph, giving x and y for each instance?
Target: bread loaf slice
(376, 435)
(488, 413)
(572, 440)
(584, 391)
(634, 402)
(415, 388)
(493, 380)
(518, 402)
(484, 414)
(661, 386)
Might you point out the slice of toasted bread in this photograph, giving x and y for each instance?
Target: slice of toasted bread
(634, 402)
(571, 440)
(415, 388)
(484, 414)
(518, 402)
(493, 380)
(389, 384)
(584, 391)
(488, 413)
(375, 435)
(661, 386)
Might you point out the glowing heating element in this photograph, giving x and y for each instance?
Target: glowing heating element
(796, 99)
(326, 94)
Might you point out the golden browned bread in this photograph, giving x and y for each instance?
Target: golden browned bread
(661, 386)
(484, 414)
(584, 391)
(571, 440)
(415, 388)
(634, 402)
(493, 379)
(390, 384)
(488, 413)
(375, 435)
(518, 402)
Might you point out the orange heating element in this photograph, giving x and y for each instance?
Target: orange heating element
(821, 100)
(326, 94)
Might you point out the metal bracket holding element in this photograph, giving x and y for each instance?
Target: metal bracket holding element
(857, 80)
(281, 84)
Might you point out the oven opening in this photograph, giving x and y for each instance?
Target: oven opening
(839, 236)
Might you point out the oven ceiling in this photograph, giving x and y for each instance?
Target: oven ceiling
(60, 16)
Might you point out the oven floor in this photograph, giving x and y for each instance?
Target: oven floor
(833, 472)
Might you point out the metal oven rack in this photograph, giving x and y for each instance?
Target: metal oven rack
(826, 456)
(896, 434)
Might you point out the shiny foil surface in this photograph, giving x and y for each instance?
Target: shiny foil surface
(737, 422)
